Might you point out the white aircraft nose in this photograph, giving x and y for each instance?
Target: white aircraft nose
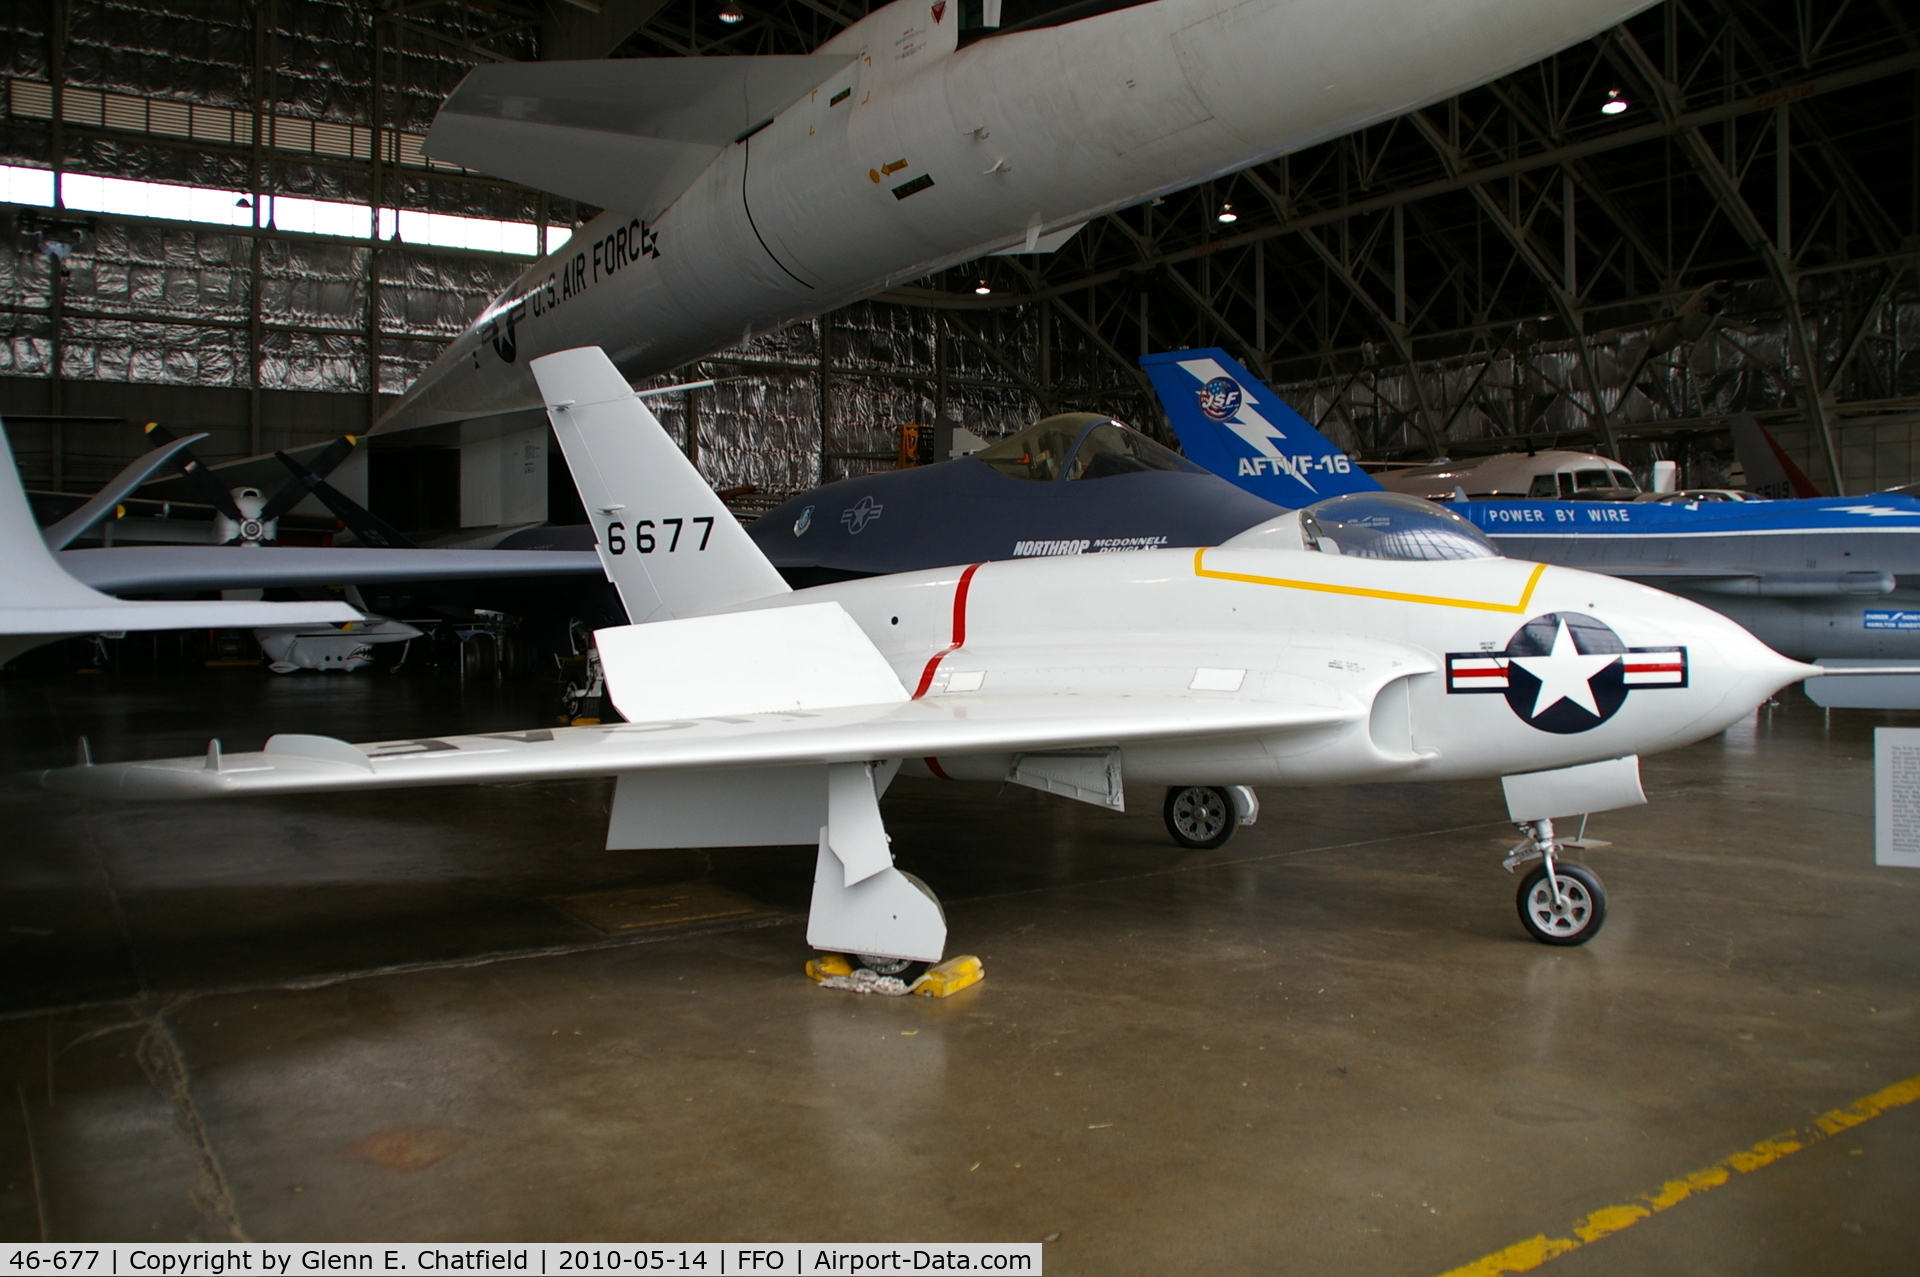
(1732, 672)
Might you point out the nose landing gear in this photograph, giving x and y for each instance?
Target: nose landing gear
(1559, 903)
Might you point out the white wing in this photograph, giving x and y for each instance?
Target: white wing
(945, 725)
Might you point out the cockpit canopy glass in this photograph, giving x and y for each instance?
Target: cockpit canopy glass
(1389, 525)
(1079, 445)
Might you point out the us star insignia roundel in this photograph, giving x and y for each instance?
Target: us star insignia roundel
(1564, 672)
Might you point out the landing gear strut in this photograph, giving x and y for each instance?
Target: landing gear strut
(1560, 903)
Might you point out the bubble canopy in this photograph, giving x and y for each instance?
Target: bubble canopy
(1080, 445)
(1389, 525)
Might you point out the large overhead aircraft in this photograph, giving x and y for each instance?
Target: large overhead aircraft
(41, 602)
(1817, 579)
(760, 715)
(742, 193)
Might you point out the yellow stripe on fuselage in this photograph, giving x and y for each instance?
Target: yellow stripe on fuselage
(1200, 569)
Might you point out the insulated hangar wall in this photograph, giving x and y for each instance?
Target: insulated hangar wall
(1712, 209)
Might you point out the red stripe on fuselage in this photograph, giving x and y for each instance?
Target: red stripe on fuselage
(959, 633)
(933, 765)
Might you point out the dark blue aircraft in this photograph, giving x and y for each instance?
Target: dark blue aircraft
(1076, 483)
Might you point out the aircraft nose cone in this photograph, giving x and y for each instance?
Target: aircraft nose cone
(1744, 670)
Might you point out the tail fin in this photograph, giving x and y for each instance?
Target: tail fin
(1231, 423)
(668, 544)
(1770, 471)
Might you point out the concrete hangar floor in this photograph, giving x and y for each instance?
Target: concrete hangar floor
(1325, 1047)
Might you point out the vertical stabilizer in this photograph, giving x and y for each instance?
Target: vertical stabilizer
(667, 542)
(1770, 471)
(1231, 423)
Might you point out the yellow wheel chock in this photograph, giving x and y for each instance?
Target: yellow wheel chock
(834, 971)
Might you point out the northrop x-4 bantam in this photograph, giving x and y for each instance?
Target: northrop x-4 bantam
(742, 193)
(1402, 648)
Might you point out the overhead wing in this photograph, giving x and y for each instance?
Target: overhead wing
(628, 134)
(60, 535)
(153, 569)
(943, 726)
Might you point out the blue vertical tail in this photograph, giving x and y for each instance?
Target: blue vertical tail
(1231, 423)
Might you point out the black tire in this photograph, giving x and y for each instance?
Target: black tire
(907, 971)
(1585, 911)
(1200, 817)
(479, 658)
(516, 659)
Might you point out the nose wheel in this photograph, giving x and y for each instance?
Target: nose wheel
(1560, 903)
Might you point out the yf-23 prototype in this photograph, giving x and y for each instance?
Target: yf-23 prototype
(1074, 483)
(1390, 643)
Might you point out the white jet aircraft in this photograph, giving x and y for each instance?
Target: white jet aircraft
(758, 715)
(742, 193)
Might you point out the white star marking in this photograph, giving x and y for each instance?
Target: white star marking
(1564, 674)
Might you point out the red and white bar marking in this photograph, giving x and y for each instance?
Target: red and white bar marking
(1476, 672)
(1656, 667)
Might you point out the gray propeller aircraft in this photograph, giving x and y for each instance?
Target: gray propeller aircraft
(550, 584)
(41, 602)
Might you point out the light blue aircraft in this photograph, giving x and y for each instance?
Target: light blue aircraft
(1829, 579)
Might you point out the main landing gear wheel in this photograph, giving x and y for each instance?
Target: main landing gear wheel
(1200, 817)
(1576, 917)
(905, 969)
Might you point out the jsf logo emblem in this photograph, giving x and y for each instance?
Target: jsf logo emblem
(1220, 398)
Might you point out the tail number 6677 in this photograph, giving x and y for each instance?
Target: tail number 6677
(645, 539)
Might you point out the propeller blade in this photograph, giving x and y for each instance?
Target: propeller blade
(370, 528)
(294, 490)
(208, 488)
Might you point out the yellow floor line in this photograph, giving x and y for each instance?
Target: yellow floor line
(1530, 1254)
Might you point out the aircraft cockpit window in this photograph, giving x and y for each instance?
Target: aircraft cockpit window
(1598, 480)
(1082, 445)
(1110, 448)
(1389, 525)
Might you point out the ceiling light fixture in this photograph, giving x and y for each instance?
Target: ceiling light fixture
(1616, 103)
(982, 288)
(732, 14)
(1227, 216)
